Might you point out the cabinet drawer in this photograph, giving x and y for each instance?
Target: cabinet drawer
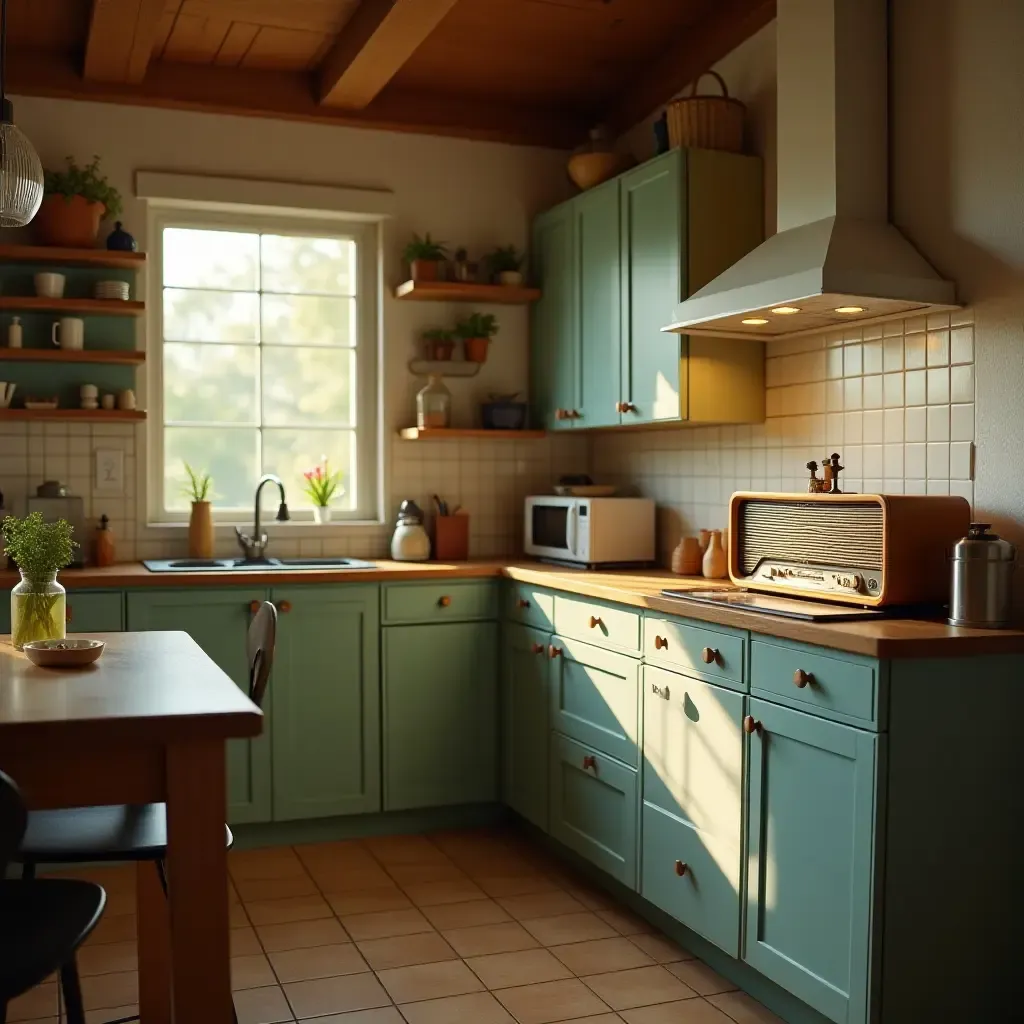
(842, 688)
(606, 625)
(593, 807)
(94, 613)
(530, 606)
(440, 602)
(705, 653)
(693, 876)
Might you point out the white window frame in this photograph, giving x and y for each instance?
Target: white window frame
(369, 447)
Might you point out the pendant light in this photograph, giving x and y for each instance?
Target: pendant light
(21, 173)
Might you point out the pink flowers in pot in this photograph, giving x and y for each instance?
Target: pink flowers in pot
(321, 484)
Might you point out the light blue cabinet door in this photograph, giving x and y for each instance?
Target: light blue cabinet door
(326, 681)
(809, 871)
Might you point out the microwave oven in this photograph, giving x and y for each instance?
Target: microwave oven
(591, 532)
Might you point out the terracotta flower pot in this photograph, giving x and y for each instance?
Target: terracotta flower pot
(440, 351)
(425, 270)
(71, 223)
(476, 349)
(200, 530)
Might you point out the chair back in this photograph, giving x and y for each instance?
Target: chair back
(13, 819)
(259, 646)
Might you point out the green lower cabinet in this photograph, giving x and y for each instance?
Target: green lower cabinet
(100, 612)
(325, 741)
(594, 807)
(440, 714)
(810, 873)
(524, 719)
(218, 621)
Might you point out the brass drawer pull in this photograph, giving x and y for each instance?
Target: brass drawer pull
(254, 607)
(284, 607)
(751, 725)
(537, 648)
(554, 652)
(444, 602)
(522, 603)
(590, 762)
(681, 868)
(661, 643)
(802, 678)
(595, 621)
(710, 655)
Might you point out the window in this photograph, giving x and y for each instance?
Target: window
(267, 362)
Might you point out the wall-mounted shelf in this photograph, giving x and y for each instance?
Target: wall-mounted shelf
(104, 258)
(122, 357)
(101, 307)
(444, 367)
(76, 415)
(462, 291)
(455, 434)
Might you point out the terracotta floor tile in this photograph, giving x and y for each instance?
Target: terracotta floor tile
(113, 928)
(273, 862)
(432, 894)
(262, 1006)
(404, 850)
(556, 931)
(429, 981)
(344, 851)
(108, 957)
(385, 924)
(601, 955)
(465, 915)
(544, 904)
(106, 1013)
(554, 1001)
(661, 949)
(743, 1009)
(525, 967)
(592, 899)
(110, 989)
(368, 901)
(490, 938)
(625, 922)
(476, 1008)
(317, 962)
(643, 986)
(251, 890)
(251, 972)
(37, 1002)
(382, 1015)
(416, 874)
(336, 995)
(295, 908)
(406, 950)
(300, 934)
(701, 978)
(237, 917)
(692, 1011)
(355, 879)
(516, 885)
(244, 942)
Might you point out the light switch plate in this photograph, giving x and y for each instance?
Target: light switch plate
(109, 471)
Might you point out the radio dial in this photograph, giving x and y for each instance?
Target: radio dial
(848, 582)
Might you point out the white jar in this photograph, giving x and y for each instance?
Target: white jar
(14, 333)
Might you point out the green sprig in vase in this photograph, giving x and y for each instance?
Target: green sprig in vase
(40, 550)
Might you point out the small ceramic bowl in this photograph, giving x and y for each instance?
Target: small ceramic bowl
(63, 653)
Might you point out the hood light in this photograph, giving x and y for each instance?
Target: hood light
(786, 310)
(849, 309)
(754, 321)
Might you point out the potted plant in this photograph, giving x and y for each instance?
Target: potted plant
(476, 332)
(425, 257)
(40, 550)
(75, 200)
(321, 486)
(200, 523)
(505, 263)
(440, 343)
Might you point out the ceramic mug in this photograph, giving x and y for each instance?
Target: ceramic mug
(107, 401)
(49, 286)
(6, 393)
(71, 331)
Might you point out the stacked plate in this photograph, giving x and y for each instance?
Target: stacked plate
(111, 290)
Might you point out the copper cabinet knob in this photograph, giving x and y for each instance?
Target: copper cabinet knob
(751, 725)
(444, 602)
(554, 652)
(284, 607)
(589, 761)
(595, 621)
(626, 407)
(710, 655)
(661, 643)
(575, 414)
(254, 607)
(620, 406)
(537, 648)
(681, 868)
(562, 414)
(802, 678)
(522, 603)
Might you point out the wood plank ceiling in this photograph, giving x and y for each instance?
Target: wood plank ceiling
(529, 71)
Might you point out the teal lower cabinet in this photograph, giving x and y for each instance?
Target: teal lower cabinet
(593, 807)
(440, 693)
(94, 611)
(810, 834)
(326, 735)
(524, 718)
(692, 804)
(218, 619)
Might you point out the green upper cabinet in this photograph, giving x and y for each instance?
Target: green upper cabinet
(218, 621)
(326, 750)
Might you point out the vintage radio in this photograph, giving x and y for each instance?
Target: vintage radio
(864, 549)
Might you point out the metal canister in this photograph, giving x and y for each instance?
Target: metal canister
(982, 584)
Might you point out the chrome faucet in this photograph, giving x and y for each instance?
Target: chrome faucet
(255, 546)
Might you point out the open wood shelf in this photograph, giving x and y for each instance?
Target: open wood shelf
(77, 415)
(120, 357)
(105, 258)
(455, 433)
(462, 291)
(443, 367)
(39, 304)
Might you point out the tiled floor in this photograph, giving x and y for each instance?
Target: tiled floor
(471, 927)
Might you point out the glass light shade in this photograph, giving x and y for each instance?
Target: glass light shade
(21, 178)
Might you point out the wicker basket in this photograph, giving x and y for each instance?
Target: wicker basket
(703, 121)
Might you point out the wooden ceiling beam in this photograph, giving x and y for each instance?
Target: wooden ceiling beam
(727, 24)
(121, 38)
(375, 43)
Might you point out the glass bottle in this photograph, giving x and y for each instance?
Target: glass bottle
(434, 405)
(37, 610)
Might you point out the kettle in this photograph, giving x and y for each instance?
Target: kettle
(410, 542)
(982, 583)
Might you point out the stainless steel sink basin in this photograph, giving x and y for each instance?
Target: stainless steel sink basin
(255, 565)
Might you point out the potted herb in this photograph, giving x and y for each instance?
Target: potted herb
(200, 523)
(505, 263)
(39, 549)
(425, 257)
(75, 200)
(476, 332)
(321, 486)
(440, 343)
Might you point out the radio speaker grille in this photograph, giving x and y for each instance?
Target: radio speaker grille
(847, 534)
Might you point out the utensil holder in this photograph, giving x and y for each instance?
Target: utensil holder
(451, 538)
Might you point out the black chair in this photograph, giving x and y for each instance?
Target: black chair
(42, 923)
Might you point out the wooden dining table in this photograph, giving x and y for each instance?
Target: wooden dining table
(148, 722)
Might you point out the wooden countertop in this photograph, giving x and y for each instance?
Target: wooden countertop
(885, 638)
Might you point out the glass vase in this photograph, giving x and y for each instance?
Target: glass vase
(37, 610)
(434, 405)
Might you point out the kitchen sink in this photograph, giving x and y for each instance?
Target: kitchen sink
(252, 565)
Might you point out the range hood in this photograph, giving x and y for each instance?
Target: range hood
(836, 258)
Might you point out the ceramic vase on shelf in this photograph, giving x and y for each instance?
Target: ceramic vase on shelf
(321, 514)
(714, 565)
(686, 559)
(37, 610)
(200, 530)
